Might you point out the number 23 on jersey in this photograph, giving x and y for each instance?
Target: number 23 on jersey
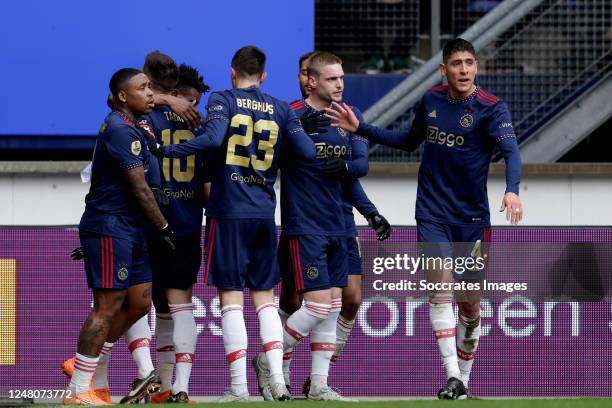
(266, 146)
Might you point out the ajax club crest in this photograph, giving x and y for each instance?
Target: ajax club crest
(122, 273)
(466, 120)
(312, 272)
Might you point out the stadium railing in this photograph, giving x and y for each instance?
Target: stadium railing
(538, 56)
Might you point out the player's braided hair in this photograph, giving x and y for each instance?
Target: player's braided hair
(161, 70)
(190, 77)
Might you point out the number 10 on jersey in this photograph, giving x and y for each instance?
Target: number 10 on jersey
(178, 173)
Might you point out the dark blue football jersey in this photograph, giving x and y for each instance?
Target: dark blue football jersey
(110, 206)
(180, 178)
(459, 136)
(312, 203)
(250, 130)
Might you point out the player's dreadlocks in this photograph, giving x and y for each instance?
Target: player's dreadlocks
(189, 77)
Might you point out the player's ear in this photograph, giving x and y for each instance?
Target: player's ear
(263, 77)
(234, 78)
(122, 96)
(442, 68)
(312, 82)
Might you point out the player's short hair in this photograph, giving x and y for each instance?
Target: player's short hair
(249, 61)
(305, 57)
(189, 77)
(161, 70)
(457, 45)
(120, 77)
(320, 59)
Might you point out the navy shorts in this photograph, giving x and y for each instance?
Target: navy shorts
(173, 270)
(353, 248)
(313, 262)
(444, 241)
(114, 263)
(241, 253)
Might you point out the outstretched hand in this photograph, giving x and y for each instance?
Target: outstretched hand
(342, 116)
(511, 203)
(185, 110)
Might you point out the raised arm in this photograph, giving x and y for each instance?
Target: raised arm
(403, 139)
(358, 166)
(213, 133)
(181, 107)
(301, 145)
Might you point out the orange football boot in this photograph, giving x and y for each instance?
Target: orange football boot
(68, 367)
(87, 397)
(102, 393)
(160, 397)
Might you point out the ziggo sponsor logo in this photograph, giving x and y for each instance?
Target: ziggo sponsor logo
(435, 135)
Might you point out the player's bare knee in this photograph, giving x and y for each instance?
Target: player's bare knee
(349, 312)
(136, 308)
(350, 305)
(261, 297)
(289, 307)
(319, 296)
(98, 321)
(290, 300)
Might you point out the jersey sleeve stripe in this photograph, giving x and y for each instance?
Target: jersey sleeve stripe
(439, 88)
(296, 105)
(485, 100)
(486, 97)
